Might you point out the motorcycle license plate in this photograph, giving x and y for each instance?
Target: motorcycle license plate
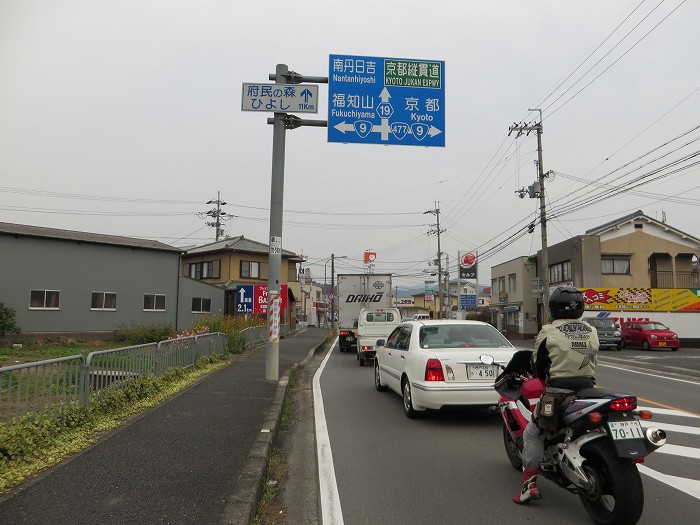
(480, 372)
(620, 430)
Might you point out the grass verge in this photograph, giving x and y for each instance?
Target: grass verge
(35, 443)
(270, 509)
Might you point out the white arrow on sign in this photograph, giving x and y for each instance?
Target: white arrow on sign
(384, 95)
(434, 131)
(241, 292)
(345, 126)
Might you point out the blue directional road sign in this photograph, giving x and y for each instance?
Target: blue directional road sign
(397, 101)
(244, 299)
(467, 301)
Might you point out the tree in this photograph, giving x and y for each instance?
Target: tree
(7, 321)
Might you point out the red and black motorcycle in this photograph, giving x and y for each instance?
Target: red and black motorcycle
(594, 450)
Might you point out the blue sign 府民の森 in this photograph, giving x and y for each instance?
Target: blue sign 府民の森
(398, 101)
(244, 299)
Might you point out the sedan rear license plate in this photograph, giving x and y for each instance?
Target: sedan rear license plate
(625, 430)
(481, 372)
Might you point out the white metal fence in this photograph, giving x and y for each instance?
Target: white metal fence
(259, 334)
(54, 385)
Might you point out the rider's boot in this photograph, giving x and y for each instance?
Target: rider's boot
(530, 490)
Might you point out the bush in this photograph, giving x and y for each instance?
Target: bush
(231, 326)
(141, 334)
(235, 343)
(7, 321)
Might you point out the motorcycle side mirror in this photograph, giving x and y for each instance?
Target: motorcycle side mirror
(486, 359)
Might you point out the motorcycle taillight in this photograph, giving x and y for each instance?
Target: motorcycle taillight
(624, 404)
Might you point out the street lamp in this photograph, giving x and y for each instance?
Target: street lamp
(325, 285)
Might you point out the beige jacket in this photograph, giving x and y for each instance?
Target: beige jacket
(572, 347)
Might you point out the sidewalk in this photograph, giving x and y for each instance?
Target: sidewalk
(196, 459)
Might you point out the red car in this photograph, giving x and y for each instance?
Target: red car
(648, 335)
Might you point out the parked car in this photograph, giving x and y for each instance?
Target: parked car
(649, 334)
(609, 333)
(433, 364)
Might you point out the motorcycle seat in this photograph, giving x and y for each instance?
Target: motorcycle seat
(597, 393)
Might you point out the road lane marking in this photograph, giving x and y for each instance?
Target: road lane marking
(669, 427)
(678, 450)
(689, 486)
(331, 512)
(668, 411)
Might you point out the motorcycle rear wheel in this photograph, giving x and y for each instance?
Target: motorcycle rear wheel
(617, 495)
(513, 450)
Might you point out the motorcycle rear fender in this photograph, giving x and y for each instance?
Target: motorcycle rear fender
(570, 459)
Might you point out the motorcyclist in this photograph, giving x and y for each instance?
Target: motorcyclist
(565, 357)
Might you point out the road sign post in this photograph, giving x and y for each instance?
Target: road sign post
(282, 96)
(394, 101)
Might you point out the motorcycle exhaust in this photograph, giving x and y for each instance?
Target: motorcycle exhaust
(655, 436)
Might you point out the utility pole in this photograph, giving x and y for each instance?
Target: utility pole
(448, 306)
(527, 128)
(436, 212)
(333, 291)
(217, 214)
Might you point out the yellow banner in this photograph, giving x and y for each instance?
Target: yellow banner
(643, 299)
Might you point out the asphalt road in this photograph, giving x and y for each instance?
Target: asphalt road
(450, 467)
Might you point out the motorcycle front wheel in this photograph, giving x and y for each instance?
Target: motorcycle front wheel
(512, 449)
(616, 494)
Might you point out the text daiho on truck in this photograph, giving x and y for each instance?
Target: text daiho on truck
(357, 291)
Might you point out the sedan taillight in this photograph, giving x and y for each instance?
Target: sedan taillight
(433, 370)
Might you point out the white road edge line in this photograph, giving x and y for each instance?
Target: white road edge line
(331, 512)
(648, 374)
(689, 486)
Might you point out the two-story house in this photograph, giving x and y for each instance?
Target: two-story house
(237, 261)
(636, 255)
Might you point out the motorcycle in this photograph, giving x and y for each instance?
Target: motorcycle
(595, 448)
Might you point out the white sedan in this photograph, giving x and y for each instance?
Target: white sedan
(433, 364)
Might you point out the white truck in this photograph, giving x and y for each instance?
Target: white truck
(373, 324)
(354, 292)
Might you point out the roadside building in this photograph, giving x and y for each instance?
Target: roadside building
(237, 265)
(629, 268)
(71, 282)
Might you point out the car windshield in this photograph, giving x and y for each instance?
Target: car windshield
(654, 326)
(462, 336)
(602, 323)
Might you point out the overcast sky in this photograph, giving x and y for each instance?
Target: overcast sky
(125, 118)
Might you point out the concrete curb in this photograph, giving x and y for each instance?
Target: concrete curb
(242, 505)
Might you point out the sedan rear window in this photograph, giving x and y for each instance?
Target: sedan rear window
(462, 336)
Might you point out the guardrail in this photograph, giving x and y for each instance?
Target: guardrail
(259, 334)
(53, 385)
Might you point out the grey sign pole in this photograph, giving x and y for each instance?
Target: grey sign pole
(276, 209)
(281, 122)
